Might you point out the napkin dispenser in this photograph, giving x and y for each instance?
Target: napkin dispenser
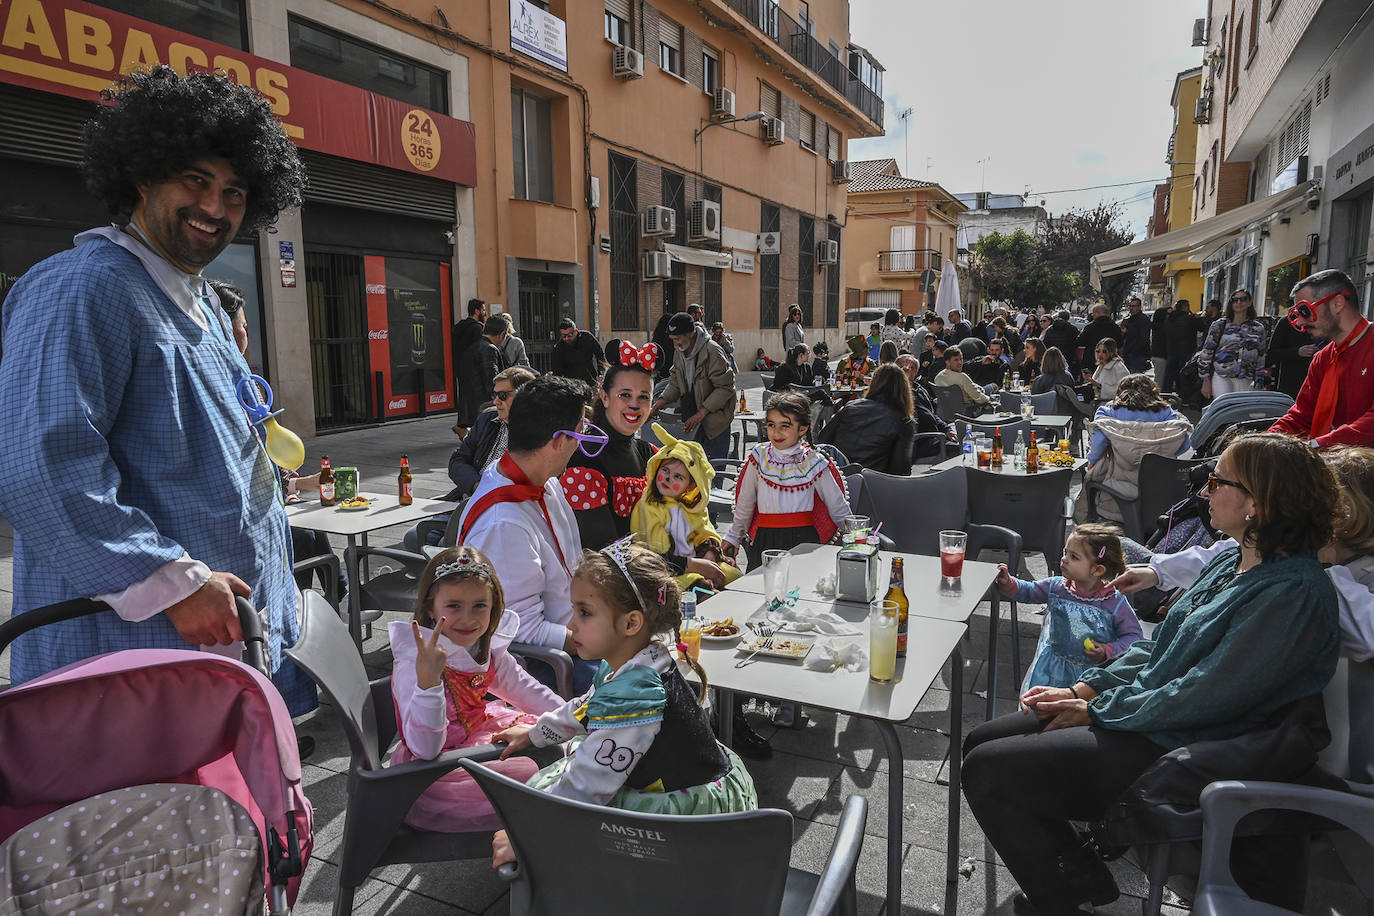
(856, 573)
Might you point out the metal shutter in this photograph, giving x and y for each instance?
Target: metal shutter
(42, 126)
(619, 8)
(670, 33)
(833, 145)
(369, 187)
(770, 101)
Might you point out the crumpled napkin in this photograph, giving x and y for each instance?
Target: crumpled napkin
(825, 586)
(825, 657)
(825, 623)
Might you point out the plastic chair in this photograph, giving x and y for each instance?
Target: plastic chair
(1043, 403)
(375, 833)
(330, 564)
(949, 402)
(1162, 481)
(1036, 505)
(944, 502)
(569, 850)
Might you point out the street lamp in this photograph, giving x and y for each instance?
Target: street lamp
(696, 135)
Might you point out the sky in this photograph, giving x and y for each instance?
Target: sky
(1053, 94)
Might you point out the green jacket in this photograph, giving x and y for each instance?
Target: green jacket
(1233, 649)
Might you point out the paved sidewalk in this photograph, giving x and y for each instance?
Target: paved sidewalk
(811, 772)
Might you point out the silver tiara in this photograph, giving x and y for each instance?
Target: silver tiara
(619, 552)
(463, 566)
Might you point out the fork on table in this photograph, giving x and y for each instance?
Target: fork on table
(763, 632)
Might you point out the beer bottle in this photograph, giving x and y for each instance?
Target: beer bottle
(1006, 380)
(897, 595)
(326, 482)
(403, 482)
(742, 406)
(997, 447)
(1032, 455)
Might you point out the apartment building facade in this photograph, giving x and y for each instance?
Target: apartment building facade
(899, 234)
(525, 153)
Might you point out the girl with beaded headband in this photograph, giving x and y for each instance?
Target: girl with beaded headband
(638, 739)
(451, 672)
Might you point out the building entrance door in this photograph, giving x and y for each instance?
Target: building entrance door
(538, 317)
(338, 339)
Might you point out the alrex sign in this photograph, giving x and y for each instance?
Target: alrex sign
(77, 49)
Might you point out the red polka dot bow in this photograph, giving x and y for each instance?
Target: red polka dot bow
(645, 356)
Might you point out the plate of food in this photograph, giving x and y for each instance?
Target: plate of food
(720, 630)
(354, 504)
(791, 647)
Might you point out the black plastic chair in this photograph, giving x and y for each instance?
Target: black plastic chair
(618, 861)
(1162, 482)
(379, 797)
(1035, 505)
(949, 402)
(943, 501)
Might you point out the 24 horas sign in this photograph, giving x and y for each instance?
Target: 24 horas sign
(77, 49)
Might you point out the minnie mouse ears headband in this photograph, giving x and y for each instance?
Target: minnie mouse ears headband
(626, 355)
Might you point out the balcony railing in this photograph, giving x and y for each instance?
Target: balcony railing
(810, 53)
(908, 261)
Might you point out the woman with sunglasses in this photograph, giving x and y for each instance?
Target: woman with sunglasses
(1256, 632)
(603, 488)
(1233, 348)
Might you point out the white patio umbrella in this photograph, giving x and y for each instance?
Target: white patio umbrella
(947, 294)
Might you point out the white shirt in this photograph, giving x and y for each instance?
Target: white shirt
(535, 569)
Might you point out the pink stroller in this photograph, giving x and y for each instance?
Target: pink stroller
(162, 780)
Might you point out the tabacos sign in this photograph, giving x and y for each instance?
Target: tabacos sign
(76, 49)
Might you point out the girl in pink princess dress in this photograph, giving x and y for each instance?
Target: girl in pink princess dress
(446, 667)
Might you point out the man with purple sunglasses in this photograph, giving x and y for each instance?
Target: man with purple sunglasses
(519, 517)
(1336, 403)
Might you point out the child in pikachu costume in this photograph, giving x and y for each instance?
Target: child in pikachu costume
(671, 516)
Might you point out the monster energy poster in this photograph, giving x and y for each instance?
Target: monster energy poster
(414, 323)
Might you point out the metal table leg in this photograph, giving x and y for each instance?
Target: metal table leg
(355, 613)
(956, 758)
(895, 789)
(993, 627)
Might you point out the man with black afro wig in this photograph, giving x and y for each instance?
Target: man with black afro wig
(130, 472)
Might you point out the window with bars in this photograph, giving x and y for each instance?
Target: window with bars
(624, 243)
(807, 133)
(770, 220)
(832, 286)
(806, 270)
(669, 45)
(618, 22)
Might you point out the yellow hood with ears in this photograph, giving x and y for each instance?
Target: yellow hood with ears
(649, 519)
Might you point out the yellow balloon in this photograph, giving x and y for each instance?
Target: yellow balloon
(284, 447)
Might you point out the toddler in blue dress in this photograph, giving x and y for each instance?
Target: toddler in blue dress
(1087, 621)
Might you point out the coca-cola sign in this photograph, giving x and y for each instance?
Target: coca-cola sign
(376, 289)
(377, 335)
(440, 398)
(398, 404)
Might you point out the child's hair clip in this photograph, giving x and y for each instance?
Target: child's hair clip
(663, 593)
(682, 647)
(1102, 553)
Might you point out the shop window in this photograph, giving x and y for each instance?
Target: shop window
(532, 145)
(222, 21)
(344, 58)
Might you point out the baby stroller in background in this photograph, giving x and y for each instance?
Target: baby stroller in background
(1232, 408)
(186, 761)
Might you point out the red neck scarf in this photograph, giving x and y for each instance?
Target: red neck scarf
(519, 490)
(1324, 414)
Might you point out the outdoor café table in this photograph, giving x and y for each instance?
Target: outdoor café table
(384, 512)
(921, 583)
(930, 643)
(1006, 470)
(1054, 423)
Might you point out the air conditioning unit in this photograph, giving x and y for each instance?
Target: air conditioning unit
(828, 252)
(627, 63)
(840, 172)
(1202, 111)
(774, 132)
(722, 103)
(657, 266)
(1199, 33)
(656, 221)
(703, 221)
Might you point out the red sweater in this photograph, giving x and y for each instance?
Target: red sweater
(1354, 421)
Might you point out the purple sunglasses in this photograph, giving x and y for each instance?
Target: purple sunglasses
(592, 436)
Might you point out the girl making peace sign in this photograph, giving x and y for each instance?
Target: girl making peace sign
(444, 668)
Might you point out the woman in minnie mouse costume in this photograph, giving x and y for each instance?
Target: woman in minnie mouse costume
(603, 490)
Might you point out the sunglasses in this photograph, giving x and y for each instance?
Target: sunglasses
(1304, 311)
(1241, 298)
(502, 395)
(1213, 481)
(590, 441)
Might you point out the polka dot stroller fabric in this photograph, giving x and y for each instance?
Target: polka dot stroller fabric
(147, 849)
(140, 718)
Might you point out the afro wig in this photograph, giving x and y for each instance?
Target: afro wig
(156, 123)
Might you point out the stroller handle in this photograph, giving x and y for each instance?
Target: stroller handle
(254, 646)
